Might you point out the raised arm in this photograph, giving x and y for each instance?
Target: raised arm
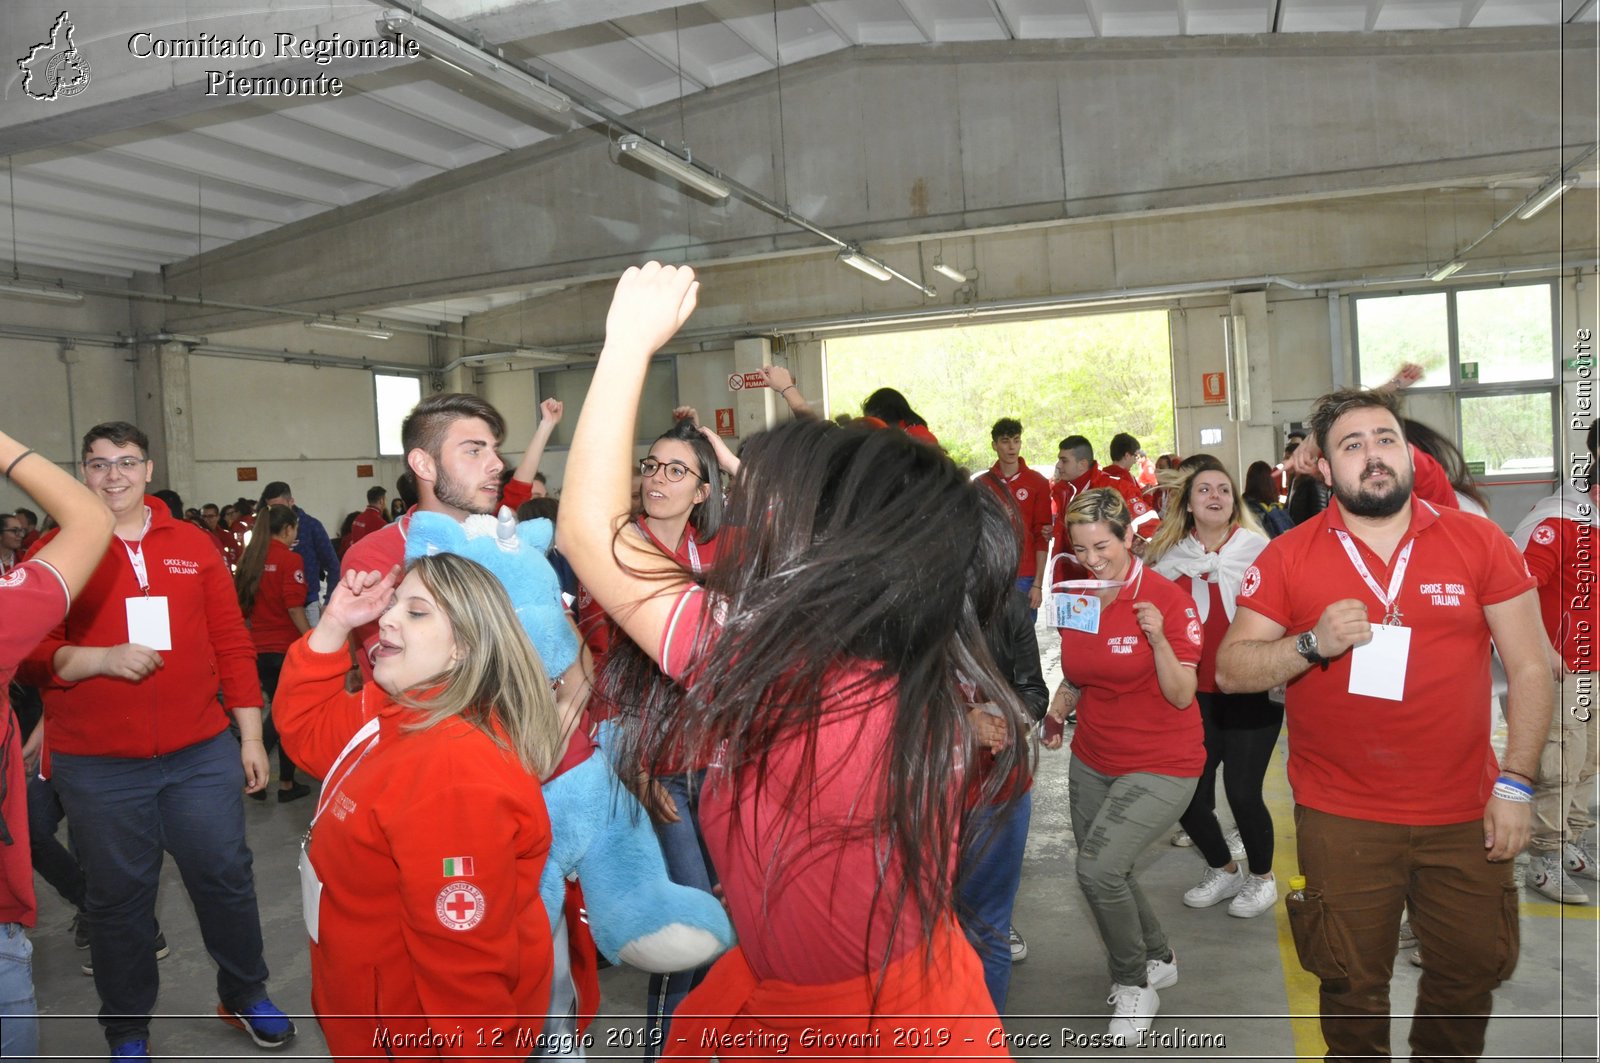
(1258, 653)
(781, 380)
(549, 416)
(85, 521)
(632, 582)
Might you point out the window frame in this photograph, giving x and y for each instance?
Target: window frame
(377, 415)
(1457, 389)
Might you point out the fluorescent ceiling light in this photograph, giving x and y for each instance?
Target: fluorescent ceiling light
(1547, 196)
(655, 156)
(470, 59)
(48, 293)
(866, 265)
(1448, 270)
(949, 271)
(369, 331)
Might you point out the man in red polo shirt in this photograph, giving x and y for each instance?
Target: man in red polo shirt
(369, 520)
(1378, 613)
(1558, 540)
(1029, 492)
(1076, 472)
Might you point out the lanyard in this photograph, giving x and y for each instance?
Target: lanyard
(1135, 577)
(688, 539)
(369, 730)
(136, 554)
(1390, 600)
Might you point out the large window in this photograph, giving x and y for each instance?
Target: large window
(1491, 351)
(571, 386)
(396, 395)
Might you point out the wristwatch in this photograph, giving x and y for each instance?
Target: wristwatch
(1306, 646)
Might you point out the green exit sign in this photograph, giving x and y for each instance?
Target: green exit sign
(1580, 363)
(1477, 468)
(1469, 370)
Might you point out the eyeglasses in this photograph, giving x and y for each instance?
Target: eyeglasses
(674, 470)
(15, 529)
(100, 466)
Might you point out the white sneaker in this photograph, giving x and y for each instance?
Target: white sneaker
(1408, 938)
(1551, 879)
(1182, 839)
(1162, 974)
(1235, 844)
(1133, 1007)
(1578, 860)
(1256, 896)
(1216, 885)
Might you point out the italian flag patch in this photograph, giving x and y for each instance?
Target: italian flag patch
(458, 867)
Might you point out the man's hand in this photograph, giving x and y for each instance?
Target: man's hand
(253, 755)
(1343, 624)
(130, 661)
(1507, 826)
(777, 377)
(650, 305)
(1035, 595)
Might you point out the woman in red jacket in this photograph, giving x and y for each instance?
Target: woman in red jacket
(271, 581)
(421, 872)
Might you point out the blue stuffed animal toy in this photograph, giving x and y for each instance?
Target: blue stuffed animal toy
(598, 831)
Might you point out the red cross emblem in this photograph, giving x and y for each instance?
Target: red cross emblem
(459, 906)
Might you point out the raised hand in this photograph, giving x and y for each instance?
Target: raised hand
(649, 306)
(1151, 622)
(550, 410)
(1343, 624)
(360, 598)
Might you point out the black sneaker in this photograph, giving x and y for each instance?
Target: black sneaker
(293, 793)
(80, 931)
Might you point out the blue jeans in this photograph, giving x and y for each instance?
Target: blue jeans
(988, 889)
(19, 1034)
(55, 864)
(688, 864)
(125, 812)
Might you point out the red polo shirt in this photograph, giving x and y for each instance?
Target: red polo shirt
(1030, 492)
(283, 586)
(1425, 760)
(1560, 554)
(1125, 723)
(369, 520)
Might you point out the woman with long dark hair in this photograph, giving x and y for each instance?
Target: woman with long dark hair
(890, 409)
(1261, 499)
(421, 870)
(271, 584)
(1207, 544)
(818, 674)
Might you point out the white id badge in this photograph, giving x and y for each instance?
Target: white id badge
(148, 625)
(1378, 669)
(310, 892)
(1077, 612)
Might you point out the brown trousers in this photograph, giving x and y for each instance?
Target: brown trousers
(1361, 877)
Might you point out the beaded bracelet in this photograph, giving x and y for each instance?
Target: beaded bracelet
(1511, 790)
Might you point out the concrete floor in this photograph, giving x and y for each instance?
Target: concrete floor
(1241, 995)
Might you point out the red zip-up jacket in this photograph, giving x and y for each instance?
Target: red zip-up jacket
(175, 706)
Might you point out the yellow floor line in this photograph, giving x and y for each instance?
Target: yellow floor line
(1300, 988)
(1549, 910)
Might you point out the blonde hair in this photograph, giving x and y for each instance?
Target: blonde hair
(499, 677)
(1103, 505)
(1177, 522)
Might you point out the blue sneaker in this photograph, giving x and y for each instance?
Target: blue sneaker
(132, 1050)
(267, 1026)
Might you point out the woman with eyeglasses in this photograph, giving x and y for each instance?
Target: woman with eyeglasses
(818, 672)
(680, 491)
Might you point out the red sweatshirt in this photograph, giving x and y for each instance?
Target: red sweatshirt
(429, 849)
(175, 706)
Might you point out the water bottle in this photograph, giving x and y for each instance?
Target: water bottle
(1297, 888)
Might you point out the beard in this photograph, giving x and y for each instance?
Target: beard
(1361, 500)
(458, 495)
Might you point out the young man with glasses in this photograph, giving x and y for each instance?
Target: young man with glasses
(141, 755)
(11, 533)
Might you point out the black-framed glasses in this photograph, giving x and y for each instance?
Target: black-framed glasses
(674, 470)
(100, 466)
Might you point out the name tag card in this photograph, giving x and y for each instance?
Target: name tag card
(1378, 669)
(148, 625)
(1077, 612)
